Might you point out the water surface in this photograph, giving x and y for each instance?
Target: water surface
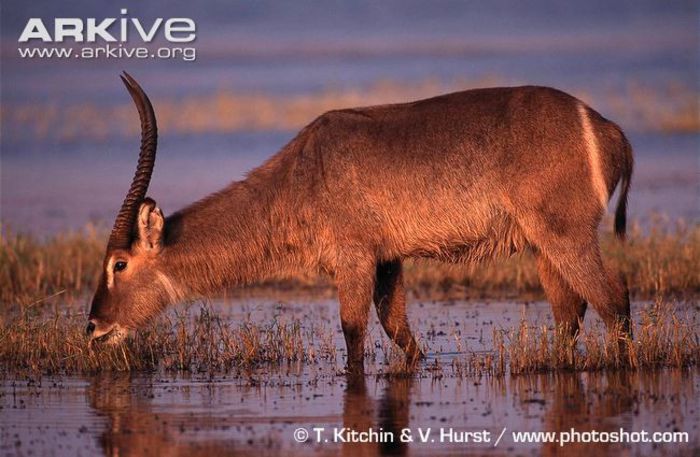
(256, 411)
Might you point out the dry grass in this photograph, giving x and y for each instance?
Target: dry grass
(37, 335)
(65, 264)
(662, 338)
(674, 108)
(661, 261)
(198, 340)
(669, 108)
(54, 342)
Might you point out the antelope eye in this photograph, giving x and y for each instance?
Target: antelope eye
(120, 266)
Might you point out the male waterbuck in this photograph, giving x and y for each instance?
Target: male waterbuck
(460, 177)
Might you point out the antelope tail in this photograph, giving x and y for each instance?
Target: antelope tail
(626, 177)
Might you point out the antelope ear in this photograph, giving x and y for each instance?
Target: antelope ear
(150, 226)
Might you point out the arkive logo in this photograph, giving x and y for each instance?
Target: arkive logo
(174, 30)
(107, 38)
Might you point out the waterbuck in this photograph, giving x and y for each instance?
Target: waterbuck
(459, 177)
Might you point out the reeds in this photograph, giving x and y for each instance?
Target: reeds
(663, 260)
(199, 340)
(54, 342)
(38, 335)
(66, 264)
(658, 262)
(662, 338)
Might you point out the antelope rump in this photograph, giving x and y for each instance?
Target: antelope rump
(461, 177)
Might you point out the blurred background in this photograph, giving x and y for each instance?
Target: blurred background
(264, 69)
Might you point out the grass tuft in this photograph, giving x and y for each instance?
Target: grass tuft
(202, 341)
(657, 262)
(199, 340)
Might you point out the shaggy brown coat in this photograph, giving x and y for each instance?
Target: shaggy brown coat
(460, 178)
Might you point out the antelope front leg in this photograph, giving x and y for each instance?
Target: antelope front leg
(355, 288)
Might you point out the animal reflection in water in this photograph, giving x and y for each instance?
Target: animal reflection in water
(136, 427)
(595, 405)
(144, 416)
(392, 414)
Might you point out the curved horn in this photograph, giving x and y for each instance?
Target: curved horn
(122, 231)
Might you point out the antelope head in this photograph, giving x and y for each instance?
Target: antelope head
(132, 287)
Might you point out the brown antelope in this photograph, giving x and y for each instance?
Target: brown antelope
(459, 177)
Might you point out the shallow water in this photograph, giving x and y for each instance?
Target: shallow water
(257, 411)
(141, 414)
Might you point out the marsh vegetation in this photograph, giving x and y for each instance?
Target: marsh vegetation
(658, 261)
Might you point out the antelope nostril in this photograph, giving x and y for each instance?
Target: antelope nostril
(90, 328)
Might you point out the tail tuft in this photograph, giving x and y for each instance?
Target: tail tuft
(621, 211)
